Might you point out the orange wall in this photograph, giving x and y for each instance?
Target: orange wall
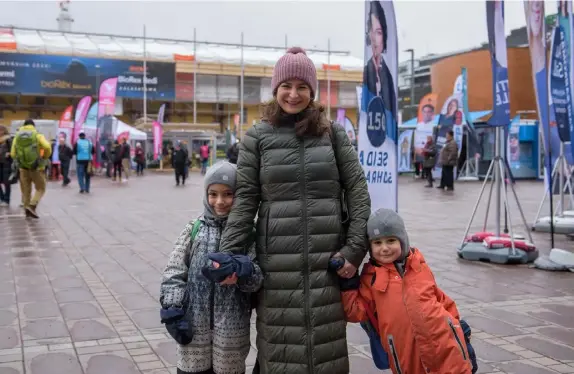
(477, 63)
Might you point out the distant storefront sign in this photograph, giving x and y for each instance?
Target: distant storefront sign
(31, 74)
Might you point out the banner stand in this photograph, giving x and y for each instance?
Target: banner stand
(563, 219)
(478, 251)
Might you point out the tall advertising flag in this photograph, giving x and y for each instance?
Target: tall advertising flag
(80, 117)
(378, 116)
(570, 37)
(65, 126)
(91, 125)
(106, 107)
(560, 89)
(158, 133)
(536, 30)
(497, 45)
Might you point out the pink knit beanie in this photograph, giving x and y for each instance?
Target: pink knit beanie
(294, 65)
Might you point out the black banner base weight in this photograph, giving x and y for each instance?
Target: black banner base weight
(478, 252)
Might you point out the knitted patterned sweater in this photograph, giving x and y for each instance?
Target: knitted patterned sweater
(219, 314)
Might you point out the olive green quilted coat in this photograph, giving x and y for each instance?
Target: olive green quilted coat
(294, 186)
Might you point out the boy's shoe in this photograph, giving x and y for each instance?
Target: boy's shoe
(82, 191)
(31, 212)
(3, 203)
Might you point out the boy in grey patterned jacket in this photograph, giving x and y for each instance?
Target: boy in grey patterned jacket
(209, 320)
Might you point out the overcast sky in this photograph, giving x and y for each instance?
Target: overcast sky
(425, 26)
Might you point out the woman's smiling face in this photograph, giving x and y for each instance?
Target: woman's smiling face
(293, 96)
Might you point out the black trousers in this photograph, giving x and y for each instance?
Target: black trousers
(140, 168)
(65, 166)
(447, 177)
(118, 169)
(179, 173)
(428, 173)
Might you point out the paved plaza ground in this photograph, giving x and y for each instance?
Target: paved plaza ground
(79, 287)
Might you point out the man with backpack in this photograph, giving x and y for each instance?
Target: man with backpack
(84, 151)
(31, 151)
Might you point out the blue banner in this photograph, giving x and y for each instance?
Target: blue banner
(378, 130)
(560, 83)
(499, 62)
(30, 74)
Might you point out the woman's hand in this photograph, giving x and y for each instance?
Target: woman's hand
(348, 270)
(232, 279)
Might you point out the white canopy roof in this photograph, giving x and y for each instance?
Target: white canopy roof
(135, 134)
(56, 42)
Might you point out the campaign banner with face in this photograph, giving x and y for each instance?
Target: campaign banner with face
(535, 26)
(378, 131)
(425, 124)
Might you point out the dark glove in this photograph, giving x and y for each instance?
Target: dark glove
(176, 325)
(335, 263)
(241, 265)
(350, 284)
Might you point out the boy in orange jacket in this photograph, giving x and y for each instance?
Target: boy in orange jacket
(419, 326)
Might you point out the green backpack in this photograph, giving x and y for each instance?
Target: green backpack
(27, 152)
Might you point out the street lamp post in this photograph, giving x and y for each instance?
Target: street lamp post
(97, 80)
(412, 52)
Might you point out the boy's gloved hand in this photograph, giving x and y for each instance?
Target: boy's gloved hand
(347, 284)
(228, 264)
(176, 325)
(335, 263)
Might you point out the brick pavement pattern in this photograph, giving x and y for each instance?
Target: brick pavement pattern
(79, 287)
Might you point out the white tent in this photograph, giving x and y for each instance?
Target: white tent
(135, 134)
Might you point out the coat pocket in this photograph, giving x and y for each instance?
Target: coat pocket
(456, 338)
(394, 354)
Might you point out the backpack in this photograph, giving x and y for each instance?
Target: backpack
(27, 150)
(380, 356)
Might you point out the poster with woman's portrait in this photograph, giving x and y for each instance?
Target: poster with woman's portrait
(378, 130)
(536, 31)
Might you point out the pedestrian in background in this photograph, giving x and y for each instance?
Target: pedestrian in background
(5, 166)
(84, 151)
(32, 152)
(66, 153)
(125, 151)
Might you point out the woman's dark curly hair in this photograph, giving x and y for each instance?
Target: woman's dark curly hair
(312, 121)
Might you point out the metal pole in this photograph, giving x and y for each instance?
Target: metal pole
(241, 90)
(413, 79)
(549, 163)
(561, 167)
(329, 78)
(497, 179)
(144, 78)
(194, 77)
(286, 42)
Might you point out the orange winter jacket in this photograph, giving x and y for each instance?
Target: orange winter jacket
(418, 324)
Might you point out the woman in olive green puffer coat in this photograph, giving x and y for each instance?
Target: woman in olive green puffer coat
(291, 171)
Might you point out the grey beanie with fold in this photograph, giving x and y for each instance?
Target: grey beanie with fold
(222, 172)
(387, 222)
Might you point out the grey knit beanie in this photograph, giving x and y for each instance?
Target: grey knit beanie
(222, 172)
(294, 65)
(387, 222)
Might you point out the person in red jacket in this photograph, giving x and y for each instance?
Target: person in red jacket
(418, 324)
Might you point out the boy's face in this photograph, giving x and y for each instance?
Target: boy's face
(386, 250)
(220, 198)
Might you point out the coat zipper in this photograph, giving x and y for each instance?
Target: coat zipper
(306, 260)
(391, 341)
(456, 338)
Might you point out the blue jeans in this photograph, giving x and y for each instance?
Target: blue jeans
(83, 176)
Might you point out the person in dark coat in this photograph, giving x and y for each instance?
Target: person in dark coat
(292, 169)
(65, 153)
(448, 160)
(233, 153)
(5, 166)
(179, 163)
(429, 154)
